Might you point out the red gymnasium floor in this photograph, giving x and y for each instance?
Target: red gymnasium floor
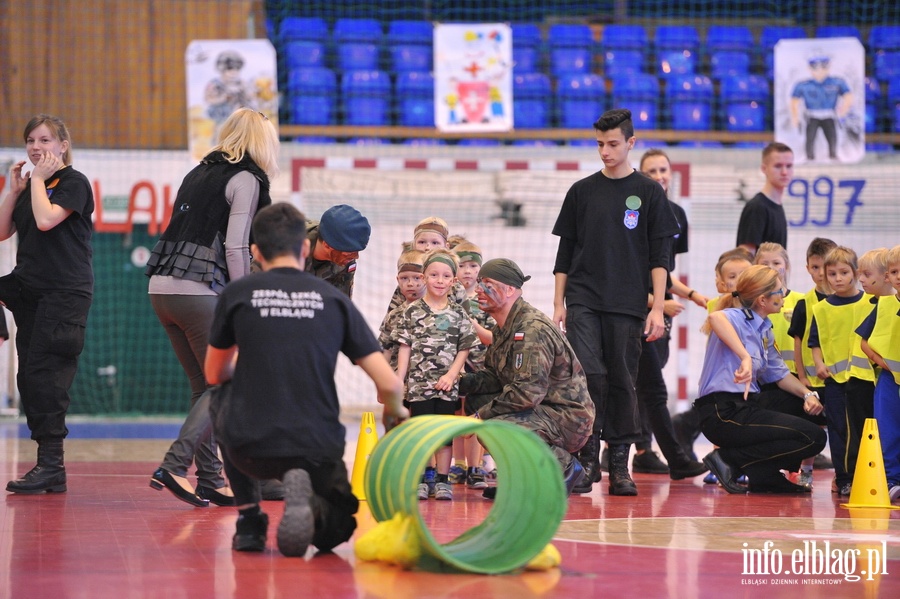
(113, 536)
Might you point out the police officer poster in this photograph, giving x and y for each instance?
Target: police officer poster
(222, 76)
(820, 108)
(473, 77)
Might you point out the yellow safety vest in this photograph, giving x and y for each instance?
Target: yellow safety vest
(809, 366)
(885, 339)
(781, 322)
(839, 342)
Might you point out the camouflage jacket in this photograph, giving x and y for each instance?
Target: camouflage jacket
(339, 276)
(530, 362)
(435, 339)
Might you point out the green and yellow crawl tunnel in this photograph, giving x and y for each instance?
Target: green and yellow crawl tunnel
(530, 502)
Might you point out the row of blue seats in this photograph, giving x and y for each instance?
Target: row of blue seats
(744, 101)
(718, 37)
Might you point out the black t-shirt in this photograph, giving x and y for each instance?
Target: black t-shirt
(58, 259)
(762, 220)
(612, 233)
(289, 327)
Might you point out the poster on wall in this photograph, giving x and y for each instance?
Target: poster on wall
(473, 77)
(820, 99)
(222, 76)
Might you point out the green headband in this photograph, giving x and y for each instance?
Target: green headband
(505, 271)
(468, 255)
(441, 258)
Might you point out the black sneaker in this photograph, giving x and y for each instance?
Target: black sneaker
(648, 463)
(251, 532)
(298, 524)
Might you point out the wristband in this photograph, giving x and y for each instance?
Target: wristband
(813, 393)
(690, 294)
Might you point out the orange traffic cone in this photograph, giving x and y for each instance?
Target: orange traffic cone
(368, 437)
(869, 481)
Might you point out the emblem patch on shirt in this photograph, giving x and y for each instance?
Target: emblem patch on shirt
(631, 218)
(518, 361)
(520, 336)
(351, 267)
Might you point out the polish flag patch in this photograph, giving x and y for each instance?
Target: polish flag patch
(519, 336)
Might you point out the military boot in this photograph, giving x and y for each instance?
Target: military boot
(48, 476)
(589, 458)
(620, 482)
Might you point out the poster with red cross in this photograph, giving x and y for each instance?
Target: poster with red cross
(473, 77)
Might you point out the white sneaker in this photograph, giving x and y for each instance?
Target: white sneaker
(422, 493)
(894, 493)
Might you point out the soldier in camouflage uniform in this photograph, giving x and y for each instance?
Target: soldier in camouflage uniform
(531, 375)
(335, 243)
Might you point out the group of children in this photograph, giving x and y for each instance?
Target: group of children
(432, 332)
(840, 339)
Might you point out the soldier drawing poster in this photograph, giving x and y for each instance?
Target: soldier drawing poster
(820, 99)
(222, 76)
(473, 77)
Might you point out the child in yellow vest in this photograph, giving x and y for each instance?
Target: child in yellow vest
(879, 333)
(849, 380)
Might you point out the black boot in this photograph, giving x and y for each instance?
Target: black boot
(620, 482)
(48, 476)
(589, 458)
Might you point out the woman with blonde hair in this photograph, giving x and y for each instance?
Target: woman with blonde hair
(206, 245)
(740, 356)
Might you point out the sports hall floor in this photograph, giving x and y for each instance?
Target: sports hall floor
(111, 536)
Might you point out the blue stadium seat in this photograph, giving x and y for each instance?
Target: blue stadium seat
(526, 35)
(570, 60)
(415, 99)
(567, 35)
(303, 28)
(745, 102)
(582, 143)
(676, 62)
(355, 56)
(525, 59)
(689, 98)
(358, 30)
(625, 37)
(531, 101)
(410, 32)
(729, 37)
(618, 63)
(873, 104)
(301, 54)
(366, 97)
(580, 99)
(411, 57)
(367, 141)
(677, 37)
(313, 96)
(640, 95)
(535, 143)
(884, 37)
(727, 63)
(887, 65)
(838, 31)
(424, 141)
(893, 100)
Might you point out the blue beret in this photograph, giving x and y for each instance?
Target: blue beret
(345, 229)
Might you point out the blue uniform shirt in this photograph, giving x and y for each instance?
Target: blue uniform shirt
(819, 96)
(720, 363)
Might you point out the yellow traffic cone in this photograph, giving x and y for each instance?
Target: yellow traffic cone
(368, 437)
(869, 481)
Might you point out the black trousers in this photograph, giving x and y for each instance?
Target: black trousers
(756, 441)
(828, 128)
(49, 339)
(608, 345)
(333, 503)
(653, 401)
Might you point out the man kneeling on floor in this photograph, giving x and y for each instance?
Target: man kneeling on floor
(531, 376)
(275, 338)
